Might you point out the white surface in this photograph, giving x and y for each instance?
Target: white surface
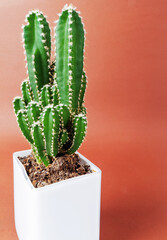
(67, 210)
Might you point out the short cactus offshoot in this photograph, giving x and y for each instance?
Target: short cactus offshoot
(51, 112)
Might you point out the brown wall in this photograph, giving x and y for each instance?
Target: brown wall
(126, 58)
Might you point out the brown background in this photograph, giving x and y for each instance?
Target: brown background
(126, 58)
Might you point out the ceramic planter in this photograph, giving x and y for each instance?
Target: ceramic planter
(69, 209)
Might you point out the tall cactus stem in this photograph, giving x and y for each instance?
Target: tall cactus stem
(69, 59)
(38, 47)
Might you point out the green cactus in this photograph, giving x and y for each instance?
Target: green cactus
(51, 112)
(69, 58)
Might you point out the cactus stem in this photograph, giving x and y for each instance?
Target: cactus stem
(60, 86)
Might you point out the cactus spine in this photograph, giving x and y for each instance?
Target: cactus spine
(51, 112)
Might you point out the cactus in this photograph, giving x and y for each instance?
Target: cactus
(51, 112)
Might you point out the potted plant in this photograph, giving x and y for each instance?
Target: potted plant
(56, 191)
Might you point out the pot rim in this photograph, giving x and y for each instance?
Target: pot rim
(53, 185)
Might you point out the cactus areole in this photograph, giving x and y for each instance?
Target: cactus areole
(51, 112)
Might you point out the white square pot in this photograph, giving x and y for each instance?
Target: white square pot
(67, 210)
